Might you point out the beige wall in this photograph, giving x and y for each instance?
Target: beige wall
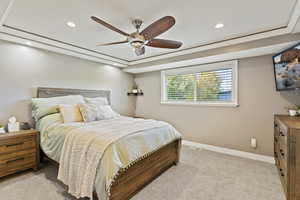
(23, 69)
(225, 126)
(266, 42)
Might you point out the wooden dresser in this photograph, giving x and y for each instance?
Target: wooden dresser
(19, 151)
(287, 154)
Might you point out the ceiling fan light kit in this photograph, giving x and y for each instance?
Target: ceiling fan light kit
(139, 40)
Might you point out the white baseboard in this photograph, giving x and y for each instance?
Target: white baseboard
(228, 151)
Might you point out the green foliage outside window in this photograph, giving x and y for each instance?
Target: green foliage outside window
(208, 86)
(182, 87)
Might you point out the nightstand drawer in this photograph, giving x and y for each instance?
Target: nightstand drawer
(16, 163)
(9, 156)
(19, 144)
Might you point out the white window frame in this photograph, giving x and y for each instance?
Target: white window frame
(203, 68)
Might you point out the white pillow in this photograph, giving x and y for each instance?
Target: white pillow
(97, 101)
(106, 112)
(89, 112)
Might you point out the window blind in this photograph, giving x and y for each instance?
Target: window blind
(181, 87)
(202, 86)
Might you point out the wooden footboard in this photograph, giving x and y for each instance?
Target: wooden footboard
(129, 182)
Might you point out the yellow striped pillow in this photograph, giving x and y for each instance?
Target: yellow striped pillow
(70, 113)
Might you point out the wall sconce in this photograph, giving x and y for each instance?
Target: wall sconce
(135, 92)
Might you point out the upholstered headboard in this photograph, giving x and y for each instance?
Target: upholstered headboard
(43, 92)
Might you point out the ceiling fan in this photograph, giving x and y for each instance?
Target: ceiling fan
(138, 40)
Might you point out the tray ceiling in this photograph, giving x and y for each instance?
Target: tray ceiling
(297, 27)
(194, 26)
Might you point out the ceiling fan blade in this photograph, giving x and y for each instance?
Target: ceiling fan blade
(140, 51)
(168, 44)
(158, 27)
(96, 19)
(112, 43)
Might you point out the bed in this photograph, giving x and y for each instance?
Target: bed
(140, 173)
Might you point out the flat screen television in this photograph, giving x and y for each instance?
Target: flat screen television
(287, 69)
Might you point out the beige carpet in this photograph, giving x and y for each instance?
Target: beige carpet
(201, 175)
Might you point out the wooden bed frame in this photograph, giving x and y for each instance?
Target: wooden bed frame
(136, 177)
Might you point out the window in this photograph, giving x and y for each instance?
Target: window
(211, 84)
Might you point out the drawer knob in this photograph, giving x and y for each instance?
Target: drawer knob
(282, 174)
(15, 160)
(280, 169)
(16, 144)
(281, 134)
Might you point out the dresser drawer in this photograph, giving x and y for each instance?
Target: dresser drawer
(18, 144)
(276, 128)
(276, 150)
(282, 170)
(282, 134)
(282, 151)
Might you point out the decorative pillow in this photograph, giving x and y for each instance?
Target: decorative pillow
(46, 106)
(106, 112)
(88, 112)
(97, 100)
(70, 113)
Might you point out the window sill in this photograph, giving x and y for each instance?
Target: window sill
(208, 104)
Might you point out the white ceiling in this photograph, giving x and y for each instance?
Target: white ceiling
(194, 25)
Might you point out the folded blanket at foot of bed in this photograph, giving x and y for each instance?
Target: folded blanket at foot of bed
(86, 144)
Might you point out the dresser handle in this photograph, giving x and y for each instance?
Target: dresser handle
(281, 152)
(281, 134)
(11, 161)
(16, 144)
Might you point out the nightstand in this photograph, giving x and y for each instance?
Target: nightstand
(19, 151)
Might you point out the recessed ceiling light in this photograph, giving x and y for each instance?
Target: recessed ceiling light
(28, 43)
(71, 24)
(220, 25)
